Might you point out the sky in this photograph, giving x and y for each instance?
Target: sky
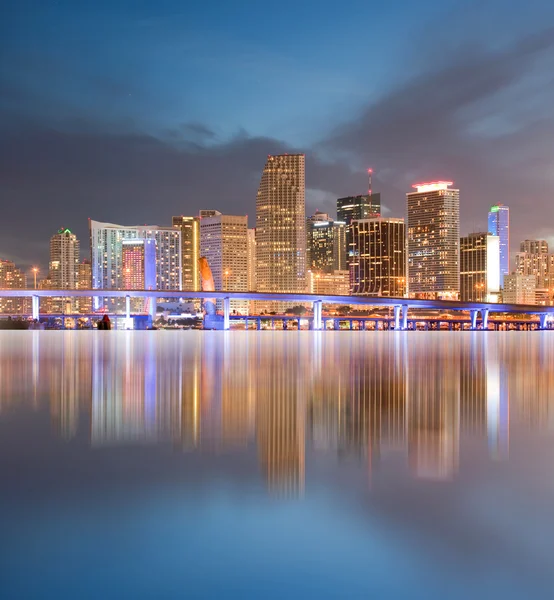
(132, 111)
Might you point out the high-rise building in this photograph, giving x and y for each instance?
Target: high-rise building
(106, 247)
(519, 289)
(499, 224)
(378, 266)
(252, 260)
(190, 251)
(12, 278)
(281, 225)
(324, 283)
(64, 260)
(325, 243)
(433, 241)
(355, 208)
(534, 246)
(84, 276)
(138, 261)
(479, 268)
(224, 243)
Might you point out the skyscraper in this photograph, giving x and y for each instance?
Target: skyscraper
(479, 270)
(519, 289)
(190, 251)
(325, 244)
(252, 260)
(534, 246)
(281, 225)
(433, 240)
(224, 243)
(534, 259)
(84, 305)
(378, 267)
(499, 224)
(64, 260)
(106, 247)
(354, 208)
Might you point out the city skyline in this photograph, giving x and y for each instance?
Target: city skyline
(116, 138)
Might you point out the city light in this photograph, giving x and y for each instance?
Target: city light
(432, 186)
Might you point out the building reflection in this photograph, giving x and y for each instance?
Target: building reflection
(283, 395)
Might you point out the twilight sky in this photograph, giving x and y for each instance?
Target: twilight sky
(131, 111)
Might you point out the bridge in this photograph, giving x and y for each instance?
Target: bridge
(400, 306)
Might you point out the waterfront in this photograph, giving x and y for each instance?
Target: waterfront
(276, 464)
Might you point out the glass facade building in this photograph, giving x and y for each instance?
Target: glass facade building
(190, 250)
(499, 225)
(379, 265)
(479, 268)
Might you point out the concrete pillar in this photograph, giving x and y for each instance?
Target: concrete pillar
(543, 317)
(226, 313)
(36, 307)
(318, 310)
(397, 310)
(153, 309)
(485, 318)
(404, 323)
(127, 309)
(473, 316)
(258, 324)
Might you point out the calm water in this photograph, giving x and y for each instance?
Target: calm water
(276, 465)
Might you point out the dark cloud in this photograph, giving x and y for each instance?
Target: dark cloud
(464, 121)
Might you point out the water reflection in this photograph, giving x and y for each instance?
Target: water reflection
(357, 397)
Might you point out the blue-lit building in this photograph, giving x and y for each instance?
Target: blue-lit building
(499, 225)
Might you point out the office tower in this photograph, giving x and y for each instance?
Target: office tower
(208, 213)
(106, 246)
(378, 266)
(281, 225)
(336, 283)
(190, 251)
(224, 243)
(354, 208)
(479, 268)
(534, 246)
(433, 241)
(84, 276)
(12, 278)
(499, 224)
(252, 260)
(325, 243)
(519, 289)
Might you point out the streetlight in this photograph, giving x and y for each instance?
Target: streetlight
(35, 271)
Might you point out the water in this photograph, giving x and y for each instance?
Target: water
(171, 464)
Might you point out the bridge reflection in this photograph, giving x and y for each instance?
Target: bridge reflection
(362, 399)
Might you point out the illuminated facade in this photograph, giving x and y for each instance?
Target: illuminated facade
(190, 250)
(106, 246)
(84, 276)
(224, 243)
(433, 241)
(534, 246)
(336, 283)
(354, 208)
(281, 225)
(252, 260)
(378, 266)
(325, 243)
(138, 261)
(519, 289)
(499, 225)
(12, 278)
(479, 268)
(534, 259)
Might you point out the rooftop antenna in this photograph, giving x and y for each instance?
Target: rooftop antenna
(369, 175)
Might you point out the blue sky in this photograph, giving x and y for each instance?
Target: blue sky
(133, 111)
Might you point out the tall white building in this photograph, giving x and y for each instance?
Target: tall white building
(281, 225)
(106, 249)
(64, 260)
(434, 241)
(224, 243)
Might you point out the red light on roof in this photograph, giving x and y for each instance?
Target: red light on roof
(370, 170)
